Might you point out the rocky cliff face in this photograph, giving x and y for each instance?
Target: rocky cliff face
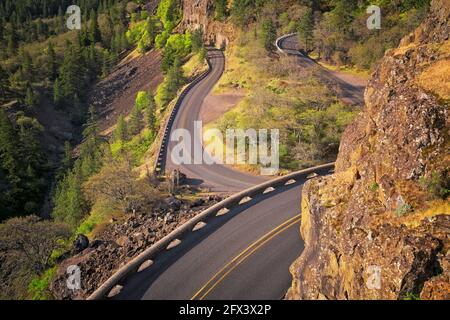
(199, 14)
(379, 228)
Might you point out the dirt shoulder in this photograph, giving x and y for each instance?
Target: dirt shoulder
(217, 104)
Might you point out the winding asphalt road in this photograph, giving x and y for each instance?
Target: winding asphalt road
(244, 254)
(350, 89)
(218, 178)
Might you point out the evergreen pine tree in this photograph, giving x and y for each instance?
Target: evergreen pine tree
(135, 123)
(305, 30)
(52, 65)
(72, 75)
(57, 93)
(221, 9)
(60, 21)
(175, 77)
(30, 99)
(9, 169)
(94, 30)
(151, 113)
(3, 84)
(69, 203)
(12, 42)
(8, 148)
(121, 132)
(151, 31)
(268, 34)
(91, 137)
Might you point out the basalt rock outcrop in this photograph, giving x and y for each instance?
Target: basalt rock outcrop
(379, 228)
(199, 14)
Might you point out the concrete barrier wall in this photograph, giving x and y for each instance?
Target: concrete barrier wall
(177, 235)
(280, 39)
(159, 167)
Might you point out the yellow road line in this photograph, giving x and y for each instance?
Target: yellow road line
(246, 256)
(256, 245)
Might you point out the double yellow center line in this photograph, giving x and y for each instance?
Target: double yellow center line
(222, 273)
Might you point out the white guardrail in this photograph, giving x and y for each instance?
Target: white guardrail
(144, 260)
(283, 51)
(281, 39)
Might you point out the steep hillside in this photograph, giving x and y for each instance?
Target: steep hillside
(378, 228)
(116, 94)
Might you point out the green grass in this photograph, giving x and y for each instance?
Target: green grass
(38, 289)
(137, 147)
(281, 95)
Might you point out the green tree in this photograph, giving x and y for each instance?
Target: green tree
(66, 162)
(305, 30)
(121, 132)
(136, 118)
(52, 65)
(57, 93)
(26, 64)
(32, 162)
(141, 46)
(172, 82)
(30, 99)
(12, 41)
(221, 9)
(4, 84)
(242, 11)
(197, 40)
(70, 206)
(94, 30)
(268, 34)
(151, 31)
(9, 169)
(91, 146)
(60, 21)
(72, 75)
(175, 77)
(151, 113)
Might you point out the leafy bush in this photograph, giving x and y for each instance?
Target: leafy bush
(169, 12)
(437, 185)
(403, 209)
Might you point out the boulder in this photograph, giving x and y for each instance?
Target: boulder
(81, 243)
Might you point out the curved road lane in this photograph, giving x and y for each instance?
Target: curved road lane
(245, 254)
(216, 177)
(350, 88)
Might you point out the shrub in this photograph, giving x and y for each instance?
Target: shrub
(374, 187)
(437, 185)
(403, 209)
(31, 241)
